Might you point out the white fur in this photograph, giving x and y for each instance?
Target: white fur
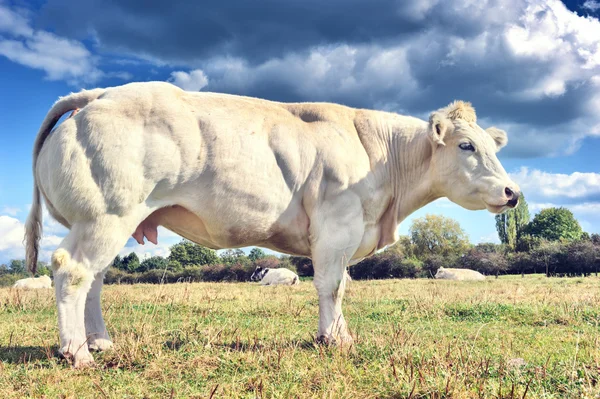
(459, 274)
(280, 277)
(33, 283)
(311, 179)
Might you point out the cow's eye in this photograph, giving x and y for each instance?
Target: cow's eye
(466, 146)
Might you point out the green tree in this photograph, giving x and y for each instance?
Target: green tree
(511, 224)
(256, 254)
(438, 235)
(130, 263)
(231, 256)
(403, 247)
(582, 257)
(117, 262)
(555, 224)
(547, 255)
(18, 266)
(43, 269)
(187, 253)
(153, 263)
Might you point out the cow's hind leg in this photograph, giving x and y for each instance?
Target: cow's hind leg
(97, 335)
(81, 258)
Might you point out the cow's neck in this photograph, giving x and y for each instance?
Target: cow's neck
(412, 182)
(408, 171)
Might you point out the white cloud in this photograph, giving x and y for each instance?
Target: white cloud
(584, 209)
(60, 58)
(492, 237)
(544, 185)
(10, 210)
(592, 5)
(14, 23)
(166, 239)
(529, 53)
(343, 73)
(193, 81)
(549, 32)
(12, 231)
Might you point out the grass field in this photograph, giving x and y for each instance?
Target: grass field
(511, 337)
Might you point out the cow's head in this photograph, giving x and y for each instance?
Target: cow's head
(464, 163)
(259, 273)
(440, 273)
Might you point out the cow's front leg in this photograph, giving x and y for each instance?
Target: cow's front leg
(339, 231)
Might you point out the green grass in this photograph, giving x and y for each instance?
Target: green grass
(511, 337)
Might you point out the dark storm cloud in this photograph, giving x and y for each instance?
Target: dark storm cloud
(189, 31)
(527, 65)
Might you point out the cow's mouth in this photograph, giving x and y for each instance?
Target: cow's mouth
(501, 208)
(497, 208)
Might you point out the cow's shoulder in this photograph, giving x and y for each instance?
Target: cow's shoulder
(322, 112)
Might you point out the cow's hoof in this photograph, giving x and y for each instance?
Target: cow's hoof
(78, 358)
(345, 340)
(326, 340)
(100, 345)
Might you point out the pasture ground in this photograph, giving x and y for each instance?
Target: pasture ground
(511, 337)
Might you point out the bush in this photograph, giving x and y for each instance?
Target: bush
(484, 260)
(386, 265)
(270, 262)
(303, 266)
(117, 276)
(432, 263)
(8, 279)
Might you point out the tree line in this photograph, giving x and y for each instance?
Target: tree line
(552, 243)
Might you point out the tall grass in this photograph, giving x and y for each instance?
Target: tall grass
(505, 338)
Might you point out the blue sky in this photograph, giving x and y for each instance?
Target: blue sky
(531, 67)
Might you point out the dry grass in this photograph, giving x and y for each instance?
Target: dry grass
(508, 338)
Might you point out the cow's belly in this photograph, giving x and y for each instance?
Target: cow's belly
(287, 234)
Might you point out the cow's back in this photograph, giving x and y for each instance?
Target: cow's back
(240, 171)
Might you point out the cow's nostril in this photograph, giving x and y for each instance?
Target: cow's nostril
(509, 193)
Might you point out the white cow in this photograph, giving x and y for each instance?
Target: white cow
(311, 179)
(458, 274)
(268, 276)
(33, 283)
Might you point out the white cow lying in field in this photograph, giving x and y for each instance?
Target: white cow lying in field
(458, 274)
(310, 179)
(33, 283)
(268, 276)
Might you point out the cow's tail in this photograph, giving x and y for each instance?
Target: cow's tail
(33, 226)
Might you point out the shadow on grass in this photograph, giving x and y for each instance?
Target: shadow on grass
(259, 345)
(27, 354)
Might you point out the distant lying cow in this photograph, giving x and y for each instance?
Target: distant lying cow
(268, 276)
(33, 283)
(459, 274)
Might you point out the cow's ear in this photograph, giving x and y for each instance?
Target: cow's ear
(499, 137)
(438, 127)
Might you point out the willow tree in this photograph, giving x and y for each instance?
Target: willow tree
(438, 235)
(511, 224)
